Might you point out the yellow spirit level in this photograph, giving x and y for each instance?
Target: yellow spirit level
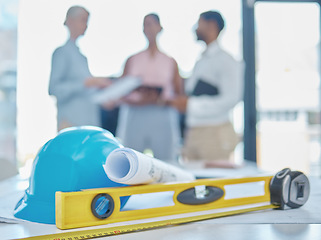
(191, 201)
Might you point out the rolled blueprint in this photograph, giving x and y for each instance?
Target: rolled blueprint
(125, 165)
(119, 89)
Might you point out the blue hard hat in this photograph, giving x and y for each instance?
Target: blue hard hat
(71, 161)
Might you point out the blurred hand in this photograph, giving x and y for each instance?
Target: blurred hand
(143, 96)
(110, 105)
(99, 82)
(148, 96)
(180, 103)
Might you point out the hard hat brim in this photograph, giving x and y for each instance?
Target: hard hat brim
(31, 209)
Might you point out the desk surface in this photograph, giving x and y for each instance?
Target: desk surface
(302, 223)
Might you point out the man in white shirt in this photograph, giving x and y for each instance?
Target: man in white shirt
(215, 87)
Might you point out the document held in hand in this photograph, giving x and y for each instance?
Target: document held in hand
(117, 90)
(125, 165)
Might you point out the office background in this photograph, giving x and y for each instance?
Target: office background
(280, 42)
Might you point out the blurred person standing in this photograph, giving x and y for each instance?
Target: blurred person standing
(214, 88)
(70, 78)
(145, 122)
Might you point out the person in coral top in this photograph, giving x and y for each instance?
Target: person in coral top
(145, 121)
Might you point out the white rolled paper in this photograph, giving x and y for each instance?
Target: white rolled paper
(127, 166)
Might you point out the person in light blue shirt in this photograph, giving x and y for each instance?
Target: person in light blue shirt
(71, 80)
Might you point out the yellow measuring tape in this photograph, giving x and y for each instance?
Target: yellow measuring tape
(110, 231)
(193, 201)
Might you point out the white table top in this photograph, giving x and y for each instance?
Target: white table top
(301, 223)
